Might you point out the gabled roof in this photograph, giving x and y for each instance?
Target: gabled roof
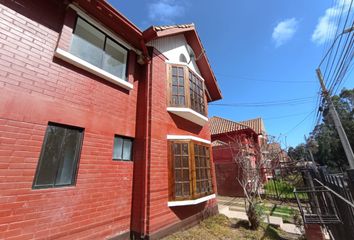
(256, 124)
(220, 125)
(193, 40)
(176, 26)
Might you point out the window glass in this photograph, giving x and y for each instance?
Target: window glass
(117, 148)
(181, 169)
(183, 172)
(127, 149)
(50, 158)
(87, 43)
(178, 95)
(58, 162)
(95, 47)
(66, 171)
(115, 59)
(122, 148)
(196, 90)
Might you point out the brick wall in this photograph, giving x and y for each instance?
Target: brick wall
(226, 172)
(314, 232)
(36, 88)
(163, 124)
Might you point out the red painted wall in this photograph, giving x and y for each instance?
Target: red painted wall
(162, 124)
(36, 88)
(226, 168)
(110, 197)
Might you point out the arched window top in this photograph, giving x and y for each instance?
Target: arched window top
(182, 58)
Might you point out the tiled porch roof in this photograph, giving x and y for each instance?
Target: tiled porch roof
(220, 125)
(256, 124)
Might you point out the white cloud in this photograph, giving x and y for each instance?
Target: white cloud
(165, 11)
(284, 31)
(327, 25)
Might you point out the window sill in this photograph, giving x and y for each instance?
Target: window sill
(68, 57)
(189, 114)
(187, 137)
(190, 202)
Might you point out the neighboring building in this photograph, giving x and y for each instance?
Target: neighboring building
(103, 127)
(223, 135)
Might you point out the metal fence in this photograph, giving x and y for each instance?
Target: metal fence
(330, 202)
(339, 184)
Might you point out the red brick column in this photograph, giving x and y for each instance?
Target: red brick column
(314, 232)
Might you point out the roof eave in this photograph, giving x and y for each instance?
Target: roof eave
(113, 19)
(203, 63)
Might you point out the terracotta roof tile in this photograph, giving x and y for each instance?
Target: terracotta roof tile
(256, 124)
(161, 28)
(221, 125)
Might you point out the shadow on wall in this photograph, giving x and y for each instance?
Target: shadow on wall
(186, 125)
(183, 212)
(51, 14)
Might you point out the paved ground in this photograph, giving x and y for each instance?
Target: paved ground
(231, 208)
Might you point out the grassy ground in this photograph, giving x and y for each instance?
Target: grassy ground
(282, 188)
(221, 228)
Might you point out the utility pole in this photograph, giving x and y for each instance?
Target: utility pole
(337, 123)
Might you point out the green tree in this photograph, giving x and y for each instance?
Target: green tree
(330, 151)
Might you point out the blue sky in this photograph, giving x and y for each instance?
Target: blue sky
(260, 51)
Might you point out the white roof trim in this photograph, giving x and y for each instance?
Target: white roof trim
(185, 64)
(187, 137)
(100, 26)
(190, 202)
(78, 62)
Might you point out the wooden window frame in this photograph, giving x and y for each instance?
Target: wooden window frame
(187, 89)
(192, 171)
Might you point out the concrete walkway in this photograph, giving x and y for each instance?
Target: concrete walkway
(271, 220)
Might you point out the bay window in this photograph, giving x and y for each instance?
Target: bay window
(190, 172)
(187, 94)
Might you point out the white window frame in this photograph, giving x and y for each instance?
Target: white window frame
(78, 62)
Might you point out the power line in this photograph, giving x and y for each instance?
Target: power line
(285, 116)
(298, 124)
(294, 101)
(261, 80)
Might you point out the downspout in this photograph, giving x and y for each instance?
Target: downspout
(147, 153)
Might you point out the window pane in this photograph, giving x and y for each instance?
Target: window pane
(127, 149)
(177, 162)
(185, 162)
(186, 189)
(178, 176)
(174, 80)
(185, 149)
(186, 175)
(70, 148)
(177, 148)
(59, 158)
(174, 71)
(118, 148)
(50, 158)
(115, 59)
(196, 93)
(178, 189)
(87, 43)
(174, 90)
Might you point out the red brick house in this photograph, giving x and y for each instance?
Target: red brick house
(103, 127)
(224, 133)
